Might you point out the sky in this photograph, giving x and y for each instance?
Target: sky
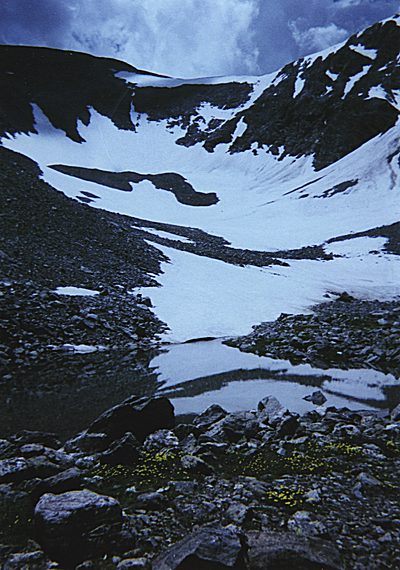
(191, 38)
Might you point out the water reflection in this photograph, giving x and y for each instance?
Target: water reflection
(200, 374)
(69, 391)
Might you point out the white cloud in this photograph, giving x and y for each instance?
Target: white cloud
(317, 38)
(190, 38)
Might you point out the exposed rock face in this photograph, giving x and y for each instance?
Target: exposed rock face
(141, 417)
(216, 548)
(64, 522)
(330, 116)
(65, 99)
(169, 181)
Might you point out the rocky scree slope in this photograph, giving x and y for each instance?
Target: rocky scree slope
(47, 241)
(244, 491)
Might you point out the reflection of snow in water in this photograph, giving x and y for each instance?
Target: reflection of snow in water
(245, 395)
(179, 364)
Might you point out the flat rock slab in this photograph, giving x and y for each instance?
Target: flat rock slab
(207, 548)
(63, 523)
(287, 551)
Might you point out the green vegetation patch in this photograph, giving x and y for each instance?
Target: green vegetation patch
(152, 471)
(312, 459)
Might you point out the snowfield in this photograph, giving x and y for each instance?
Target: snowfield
(266, 203)
(203, 297)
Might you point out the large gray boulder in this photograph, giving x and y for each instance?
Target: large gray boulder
(214, 548)
(139, 416)
(66, 523)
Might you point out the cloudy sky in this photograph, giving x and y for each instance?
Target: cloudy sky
(191, 38)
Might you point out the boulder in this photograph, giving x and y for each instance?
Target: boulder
(69, 480)
(44, 438)
(14, 470)
(124, 451)
(134, 564)
(288, 425)
(7, 449)
(286, 551)
(231, 428)
(140, 416)
(316, 398)
(154, 501)
(270, 410)
(19, 469)
(210, 416)
(395, 414)
(196, 466)
(216, 548)
(27, 561)
(87, 443)
(64, 524)
(13, 503)
(161, 439)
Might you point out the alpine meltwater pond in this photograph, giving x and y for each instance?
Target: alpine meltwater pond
(196, 375)
(74, 388)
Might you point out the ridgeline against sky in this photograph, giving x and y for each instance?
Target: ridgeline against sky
(191, 38)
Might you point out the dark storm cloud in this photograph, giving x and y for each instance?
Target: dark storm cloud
(34, 22)
(191, 37)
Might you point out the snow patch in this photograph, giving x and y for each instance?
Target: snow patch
(353, 80)
(76, 291)
(167, 235)
(356, 247)
(298, 86)
(366, 52)
(82, 348)
(331, 75)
